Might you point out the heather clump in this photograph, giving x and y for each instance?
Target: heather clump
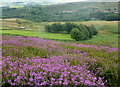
(39, 71)
(34, 61)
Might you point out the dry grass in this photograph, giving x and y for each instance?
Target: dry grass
(100, 22)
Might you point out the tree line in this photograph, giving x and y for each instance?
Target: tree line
(77, 32)
(109, 16)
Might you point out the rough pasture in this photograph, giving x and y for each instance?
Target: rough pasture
(107, 36)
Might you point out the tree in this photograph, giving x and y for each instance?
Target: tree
(109, 9)
(80, 33)
(47, 28)
(34, 13)
(76, 34)
(84, 30)
(115, 9)
(54, 28)
(18, 22)
(114, 17)
(69, 26)
(92, 31)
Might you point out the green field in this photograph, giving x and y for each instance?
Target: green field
(108, 31)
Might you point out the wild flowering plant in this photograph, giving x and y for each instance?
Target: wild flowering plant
(34, 61)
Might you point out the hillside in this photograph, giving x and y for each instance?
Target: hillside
(81, 5)
(34, 13)
(80, 11)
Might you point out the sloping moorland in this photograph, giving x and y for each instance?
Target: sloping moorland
(34, 57)
(36, 61)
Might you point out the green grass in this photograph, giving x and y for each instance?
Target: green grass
(108, 32)
(17, 6)
(100, 39)
(41, 34)
(103, 39)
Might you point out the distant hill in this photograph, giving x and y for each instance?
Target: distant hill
(77, 11)
(81, 5)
